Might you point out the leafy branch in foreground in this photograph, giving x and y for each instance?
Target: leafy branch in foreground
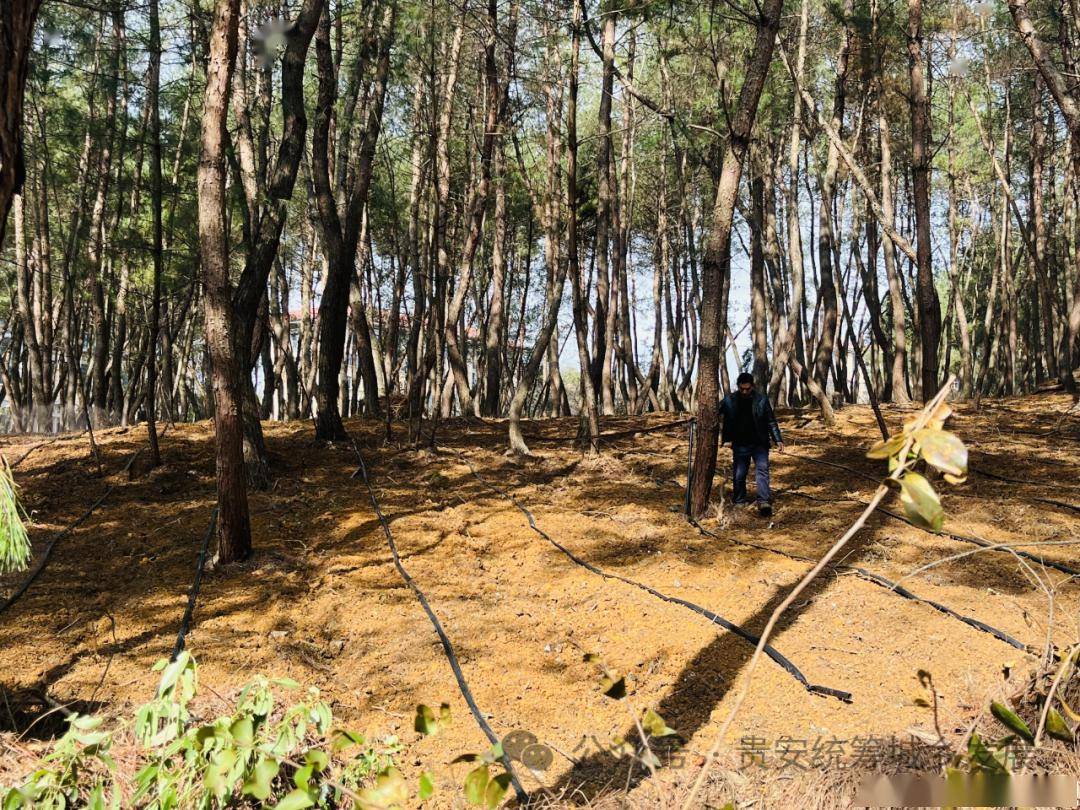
(481, 788)
(14, 542)
(925, 438)
(263, 752)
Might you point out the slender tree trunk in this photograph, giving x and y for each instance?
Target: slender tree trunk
(717, 260)
(926, 293)
(154, 82)
(826, 237)
(341, 231)
(896, 302)
(758, 294)
(38, 416)
(604, 317)
(1038, 220)
(234, 526)
(17, 19)
(266, 214)
(957, 299)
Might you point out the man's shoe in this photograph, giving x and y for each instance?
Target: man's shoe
(764, 509)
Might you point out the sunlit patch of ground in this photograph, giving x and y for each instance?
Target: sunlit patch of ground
(321, 602)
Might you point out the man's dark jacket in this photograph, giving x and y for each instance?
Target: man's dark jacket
(765, 426)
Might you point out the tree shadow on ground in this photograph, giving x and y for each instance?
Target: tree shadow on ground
(688, 704)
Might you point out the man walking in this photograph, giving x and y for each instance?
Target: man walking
(750, 425)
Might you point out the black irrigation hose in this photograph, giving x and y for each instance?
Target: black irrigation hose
(24, 586)
(750, 638)
(1060, 504)
(877, 579)
(654, 429)
(1007, 479)
(193, 594)
(603, 437)
(1065, 569)
(869, 576)
(39, 445)
(448, 648)
(904, 592)
(999, 476)
(984, 544)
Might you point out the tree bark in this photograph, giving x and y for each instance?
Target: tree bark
(926, 293)
(234, 526)
(826, 237)
(341, 230)
(590, 422)
(17, 19)
(717, 260)
(1068, 103)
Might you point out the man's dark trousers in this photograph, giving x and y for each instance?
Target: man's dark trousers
(742, 454)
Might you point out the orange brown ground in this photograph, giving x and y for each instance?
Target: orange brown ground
(321, 602)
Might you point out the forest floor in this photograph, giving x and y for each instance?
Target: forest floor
(321, 602)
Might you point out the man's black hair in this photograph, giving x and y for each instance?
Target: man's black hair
(745, 377)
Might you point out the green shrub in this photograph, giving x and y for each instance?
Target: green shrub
(263, 751)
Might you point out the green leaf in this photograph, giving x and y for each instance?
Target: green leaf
(243, 732)
(317, 760)
(427, 786)
(389, 790)
(650, 759)
(215, 778)
(147, 774)
(343, 738)
(85, 722)
(888, 447)
(322, 716)
(496, 789)
(296, 800)
(96, 799)
(203, 735)
(259, 782)
(1056, 726)
(1074, 716)
(476, 785)
(426, 722)
(982, 757)
(943, 451)
(302, 777)
(285, 683)
(1012, 720)
(655, 726)
(93, 738)
(172, 672)
(921, 503)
